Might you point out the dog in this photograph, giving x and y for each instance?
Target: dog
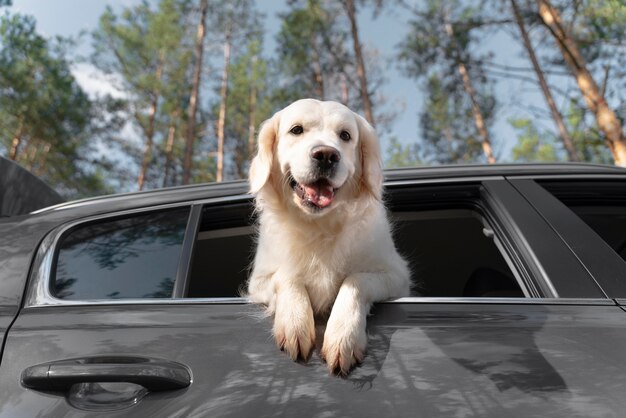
(325, 248)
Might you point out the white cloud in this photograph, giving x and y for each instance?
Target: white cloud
(95, 82)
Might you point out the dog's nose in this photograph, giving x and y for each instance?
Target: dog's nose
(326, 157)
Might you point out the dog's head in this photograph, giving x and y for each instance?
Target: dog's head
(317, 155)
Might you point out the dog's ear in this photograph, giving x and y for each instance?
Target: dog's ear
(371, 160)
(261, 164)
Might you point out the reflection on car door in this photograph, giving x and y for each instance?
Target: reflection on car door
(485, 357)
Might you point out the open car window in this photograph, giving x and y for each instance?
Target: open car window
(450, 246)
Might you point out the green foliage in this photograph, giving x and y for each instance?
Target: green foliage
(249, 102)
(148, 50)
(310, 50)
(532, 145)
(447, 126)
(430, 55)
(45, 117)
(587, 138)
(399, 155)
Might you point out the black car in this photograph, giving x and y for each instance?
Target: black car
(129, 304)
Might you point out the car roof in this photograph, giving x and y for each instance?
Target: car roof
(240, 187)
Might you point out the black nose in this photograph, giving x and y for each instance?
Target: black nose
(326, 157)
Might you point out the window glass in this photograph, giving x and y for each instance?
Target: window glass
(130, 257)
(601, 205)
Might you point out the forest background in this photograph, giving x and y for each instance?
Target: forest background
(168, 92)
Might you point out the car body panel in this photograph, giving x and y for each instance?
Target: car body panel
(424, 359)
(427, 356)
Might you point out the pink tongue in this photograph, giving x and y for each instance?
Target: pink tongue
(320, 194)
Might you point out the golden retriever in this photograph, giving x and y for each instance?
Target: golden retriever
(324, 244)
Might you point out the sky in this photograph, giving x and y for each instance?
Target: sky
(69, 17)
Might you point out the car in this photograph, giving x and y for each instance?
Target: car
(129, 305)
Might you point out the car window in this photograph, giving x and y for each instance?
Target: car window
(601, 205)
(223, 251)
(126, 257)
(453, 254)
(452, 250)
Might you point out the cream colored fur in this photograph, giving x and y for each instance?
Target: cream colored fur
(335, 261)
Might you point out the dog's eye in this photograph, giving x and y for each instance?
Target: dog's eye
(345, 135)
(297, 130)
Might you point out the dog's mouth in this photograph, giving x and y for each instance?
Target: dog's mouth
(319, 194)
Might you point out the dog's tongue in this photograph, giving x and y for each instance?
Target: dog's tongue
(320, 193)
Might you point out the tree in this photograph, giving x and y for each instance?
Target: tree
(399, 155)
(250, 102)
(45, 117)
(311, 51)
(195, 92)
(360, 63)
(444, 123)
(140, 47)
(568, 142)
(437, 51)
(606, 118)
(533, 145)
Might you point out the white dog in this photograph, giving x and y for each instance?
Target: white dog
(324, 242)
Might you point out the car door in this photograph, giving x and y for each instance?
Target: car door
(178, 348)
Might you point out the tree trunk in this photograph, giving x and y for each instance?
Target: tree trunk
(15, 143)
(345, 95)
(195, 93)
(607, 121)
(149, 130)
(221, 121)
(318, 77)
(169, 149)
(479, 120)
(360, 64)
(252, 119)
(568, 143)
(42, 160)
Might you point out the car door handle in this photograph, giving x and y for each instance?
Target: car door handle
(152, 374)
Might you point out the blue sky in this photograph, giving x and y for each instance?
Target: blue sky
(69, 17)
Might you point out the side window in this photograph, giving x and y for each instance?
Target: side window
(601, 205)
(452, 253)
(452, 250)
(125, 257)
(223, 252)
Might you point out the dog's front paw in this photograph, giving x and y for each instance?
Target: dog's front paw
(344, 345)
(295, 333)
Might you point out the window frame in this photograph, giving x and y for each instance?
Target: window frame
(506, 210)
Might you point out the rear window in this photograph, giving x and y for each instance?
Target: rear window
(130, 257)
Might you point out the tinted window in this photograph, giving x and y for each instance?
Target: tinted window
(601, 205)
(130, 257)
